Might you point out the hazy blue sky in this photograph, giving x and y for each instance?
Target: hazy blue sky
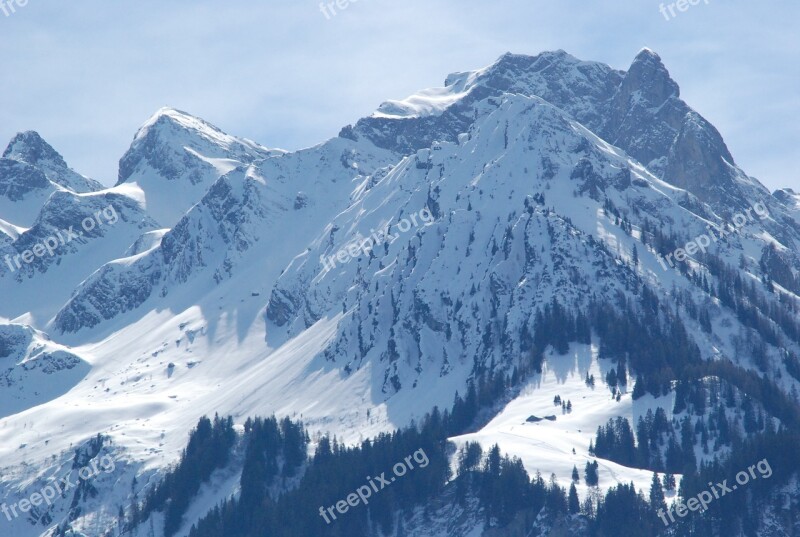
(87, 73)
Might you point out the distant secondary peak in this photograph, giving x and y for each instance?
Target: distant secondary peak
(30, 147)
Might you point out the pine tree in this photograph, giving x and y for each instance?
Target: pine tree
(590, 473)
(656, 494)
(611, 378)
(573, 503)
(622, 376)
(575, 476)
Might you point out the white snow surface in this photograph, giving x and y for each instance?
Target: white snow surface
(211, 297)
(547, 446)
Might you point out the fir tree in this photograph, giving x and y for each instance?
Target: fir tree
(573, 503)
(591, 475)
(657, 500)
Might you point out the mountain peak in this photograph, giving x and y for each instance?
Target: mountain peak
(30, 147)
(523, 63)
(559, 54)
(175, 157)
(177, 128)
(649, 76)
(647, 54)
(172, 117)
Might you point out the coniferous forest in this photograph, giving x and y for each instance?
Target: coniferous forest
(282, 490)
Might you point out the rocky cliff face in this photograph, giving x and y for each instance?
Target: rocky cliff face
(362, 281)
(30, 148)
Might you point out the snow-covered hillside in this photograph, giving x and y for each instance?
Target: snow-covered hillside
(359, 283)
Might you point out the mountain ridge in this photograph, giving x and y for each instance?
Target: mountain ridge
(555, 187)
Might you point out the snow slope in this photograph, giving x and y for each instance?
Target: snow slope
(547, 446)
(210, 294)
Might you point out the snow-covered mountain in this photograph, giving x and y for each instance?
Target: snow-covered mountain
(30, 148)
(174, 159)
(30, 171)
(359, 283)
(638, 111)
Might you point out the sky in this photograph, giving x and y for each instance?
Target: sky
(289, 74)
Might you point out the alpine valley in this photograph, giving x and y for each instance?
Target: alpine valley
(576, 306)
